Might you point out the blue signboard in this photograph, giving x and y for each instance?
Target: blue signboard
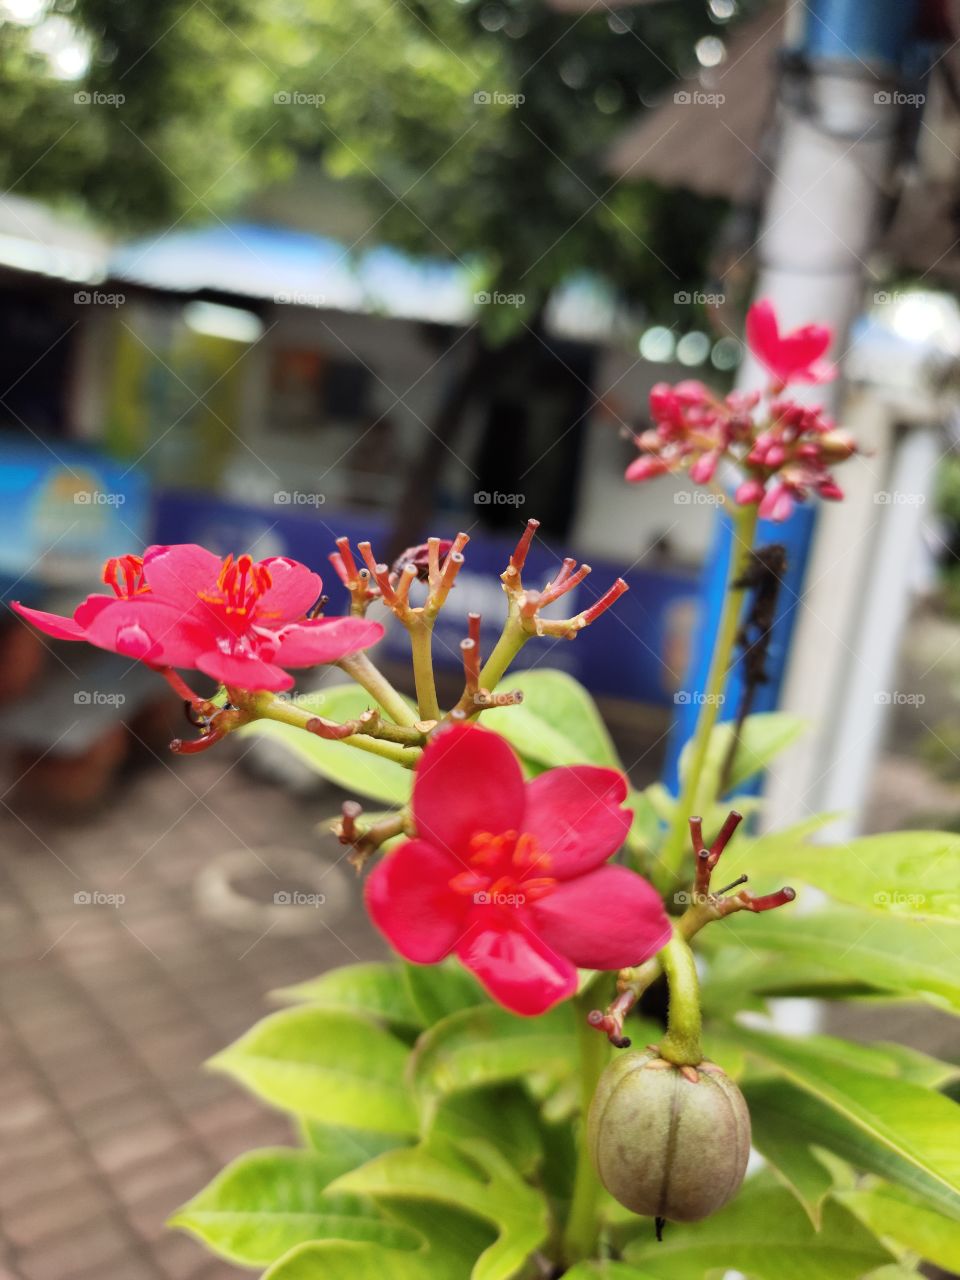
(637, 650)
(64, 510)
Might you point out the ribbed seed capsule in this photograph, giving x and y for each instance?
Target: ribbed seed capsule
(666, 1145)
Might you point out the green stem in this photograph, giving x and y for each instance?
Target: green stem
(512, 639)
(421, 645)
(744, 520)
(583, 1224)
(265, 706)
(681, 1044)
(359, 668)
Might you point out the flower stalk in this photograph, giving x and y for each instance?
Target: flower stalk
(744, 520)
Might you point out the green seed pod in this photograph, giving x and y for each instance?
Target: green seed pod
(668, 1142)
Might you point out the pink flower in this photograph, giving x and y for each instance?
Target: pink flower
(509, 875)
(240, 621)
(791, 357)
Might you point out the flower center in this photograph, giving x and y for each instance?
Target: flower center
(125, 575)
(240, 584)
(503, 870)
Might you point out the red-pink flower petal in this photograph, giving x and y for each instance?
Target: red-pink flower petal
(180, 572)
(518, 969)
(307, 644)
(608, 919)
(762, 331)
(142, 627)
(791, 357)
(575, 815)
(645, 468)
(243, 669)
(51, 624)
(294, 590)
(410, 901)
(468, 781)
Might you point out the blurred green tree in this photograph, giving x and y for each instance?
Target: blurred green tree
(473, 130)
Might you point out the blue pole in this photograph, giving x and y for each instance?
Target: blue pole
(870, 37)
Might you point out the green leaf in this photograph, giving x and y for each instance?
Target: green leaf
(895, 1215)
(765, 1234)
(336, 1260)
(375, 990)
(908, 1134)
(331, 1066)
(763, 737)
(344, 1148)
(606, 1271)
(266, 1202)
(887, 951)
(502, 1114)
(777, 1138)
(488, 1186)
(487, 1045)
(734, 974)
(455, 1239)
(354, 770)
(911, 874)
(556, 724)
(437, 990)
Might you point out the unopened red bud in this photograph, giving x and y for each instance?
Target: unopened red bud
(645, 469)
(703, 469)
(776, 456)
(831, 490)
(750, 493)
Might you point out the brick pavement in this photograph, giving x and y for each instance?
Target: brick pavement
(107, 1119)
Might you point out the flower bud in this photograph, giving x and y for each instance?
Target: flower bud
(667, 1145)
(838, 445)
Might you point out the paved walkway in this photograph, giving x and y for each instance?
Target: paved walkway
(107, 1012)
